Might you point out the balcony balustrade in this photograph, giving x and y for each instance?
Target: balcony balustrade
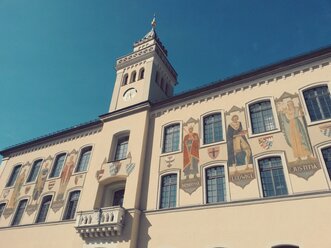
(103, 222)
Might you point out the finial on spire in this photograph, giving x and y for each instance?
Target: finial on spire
(154, 22)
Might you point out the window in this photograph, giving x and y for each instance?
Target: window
(19, 213)
(118, 197)
(212, 128)
(84, 159)
(141, 73)
(58, 164)
(125, 79)
(34, 171)
(171, 138)
(14, 175)
(215, 184)
(326, 152)
(168, 191)
(71, 205)
(2, 208)
(272, 176)
(44, 209)
(318, 102)
(285, 246)
(133, 77)
(262, 119)
(122, 148)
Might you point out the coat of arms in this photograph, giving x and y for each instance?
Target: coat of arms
(266, 142)
(326, 130)
(213, 152)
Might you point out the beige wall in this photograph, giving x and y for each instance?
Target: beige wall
(246, 219)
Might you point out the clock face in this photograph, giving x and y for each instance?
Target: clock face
(129, 94)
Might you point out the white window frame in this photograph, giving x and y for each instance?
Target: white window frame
(40, 205)
(163, 136)
(217, 111)
(161, 175)
(280, 154)
(274, 113)
(304, 105)
(320, 147)
(112, 188)
(11, 172)
(53, 163)
(204, 185)
(64, 209)
(42, 162)
(116, 137)
(78, 158)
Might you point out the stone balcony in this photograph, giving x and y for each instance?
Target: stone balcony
(104, 222)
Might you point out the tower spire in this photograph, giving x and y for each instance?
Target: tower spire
(153, 22)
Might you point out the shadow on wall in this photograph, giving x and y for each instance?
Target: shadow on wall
(143, 236)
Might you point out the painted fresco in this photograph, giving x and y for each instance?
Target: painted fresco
(191, 146)
(326, 129)
(213, 152)
(240, 161)
(266, 142)
(16, 193)
(302, 163)
(39, 186)
(65, 176)
(169, 160)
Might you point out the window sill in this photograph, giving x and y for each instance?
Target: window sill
(251, 135)
(213, 144)
(163, 154)
(313, 123)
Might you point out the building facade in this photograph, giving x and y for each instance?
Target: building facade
(244, 162)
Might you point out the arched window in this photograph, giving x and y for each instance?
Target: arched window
(212, 128)
(118, 197)
(168, 191)
(133, 77)
(19, 212)
(141, 73)
(272, 176)
(14, 175)
(34, 171)
(46, 202)
(121, 148)
(215, 184)
(261, 116)
(58, 164)
(125, 79)
(318, 102)
(84, 159)
(71, 205)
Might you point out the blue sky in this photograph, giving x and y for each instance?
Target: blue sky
(57, 57)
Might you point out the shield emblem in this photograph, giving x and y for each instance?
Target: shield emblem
(266, 142)
(213, 152)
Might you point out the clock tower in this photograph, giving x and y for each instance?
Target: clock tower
(143, 75)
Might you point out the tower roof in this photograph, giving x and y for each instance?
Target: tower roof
(151, 35)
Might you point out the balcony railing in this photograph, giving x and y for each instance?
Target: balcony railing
(103, 222)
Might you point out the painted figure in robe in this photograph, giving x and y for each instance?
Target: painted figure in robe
(294, 130)
(65, 177)
(239, 151)
(191, 153)
(17, 188)
(40, 183)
